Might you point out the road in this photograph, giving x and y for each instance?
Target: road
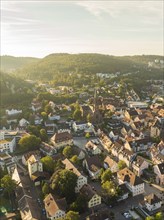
(132, 202)
(81, 141)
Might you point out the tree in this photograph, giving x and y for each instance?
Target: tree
(75, 159)
(3, 172)
(32, 129)
(80, 204)
(48, 109)
(109, 188)
(121, 164)
(44, 115)
(87, 135)
(77, 115)
(48, 164)
(64, 182)
(150, 218)
(43, 135)
(8, 183)
(29, 142)
(67, 151)
(89, 118)
(45, 189)
(158, 216)
(106, 176)
(72, 216)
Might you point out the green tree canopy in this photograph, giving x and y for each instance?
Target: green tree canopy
(48, 109)
(109, 188)
(77, 115)
(45, 189)
(29, 142)
(8, 183)
(89, 118)
(87, 135)
(121, 164)
(80, 204)
(43, 135)
(48, 164)
(33, 130)
(106, 176)
(72, 216)
(75, 159)
(67, 151)
(158, 216)
(44, 115)
(64, 182)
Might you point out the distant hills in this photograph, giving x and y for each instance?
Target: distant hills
(54, 65)
(10, 63)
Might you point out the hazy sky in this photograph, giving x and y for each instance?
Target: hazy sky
(118, 27)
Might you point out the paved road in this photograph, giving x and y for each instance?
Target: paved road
(81, 141)
(132, 202)
(125, 206)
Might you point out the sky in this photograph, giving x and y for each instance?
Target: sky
(118, 27)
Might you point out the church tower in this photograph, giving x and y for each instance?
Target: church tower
(97, 116)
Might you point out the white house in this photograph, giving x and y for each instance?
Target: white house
(111, 164)
(135, 104)
(126, 156)
(37, 120)
(7, 145)
(93, 166)
(27, 155)
(151, 202)
(13, 112)
(36, 105)
(81, 178)
(133, 182)
(7, 161)
(156, 128)
(28, 207)
(138, 145)
(50, 126)
(47, 149)
(23, 122)
(93, 147)
(139, 164)
(159, 171)
(79, 126)
(53, 117)
(60, 140)
(55, 208)
(93, 199)
(105, 141)
(34, 167)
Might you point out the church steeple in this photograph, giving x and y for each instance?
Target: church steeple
(95, 100)
(97, 117)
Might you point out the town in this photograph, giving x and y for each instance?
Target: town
(98, 156)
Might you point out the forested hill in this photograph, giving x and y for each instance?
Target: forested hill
(55, 65)
(10, 63)
(13, 89)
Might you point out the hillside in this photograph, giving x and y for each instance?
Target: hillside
(10, 63)
(53, 65)
(13, 90)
